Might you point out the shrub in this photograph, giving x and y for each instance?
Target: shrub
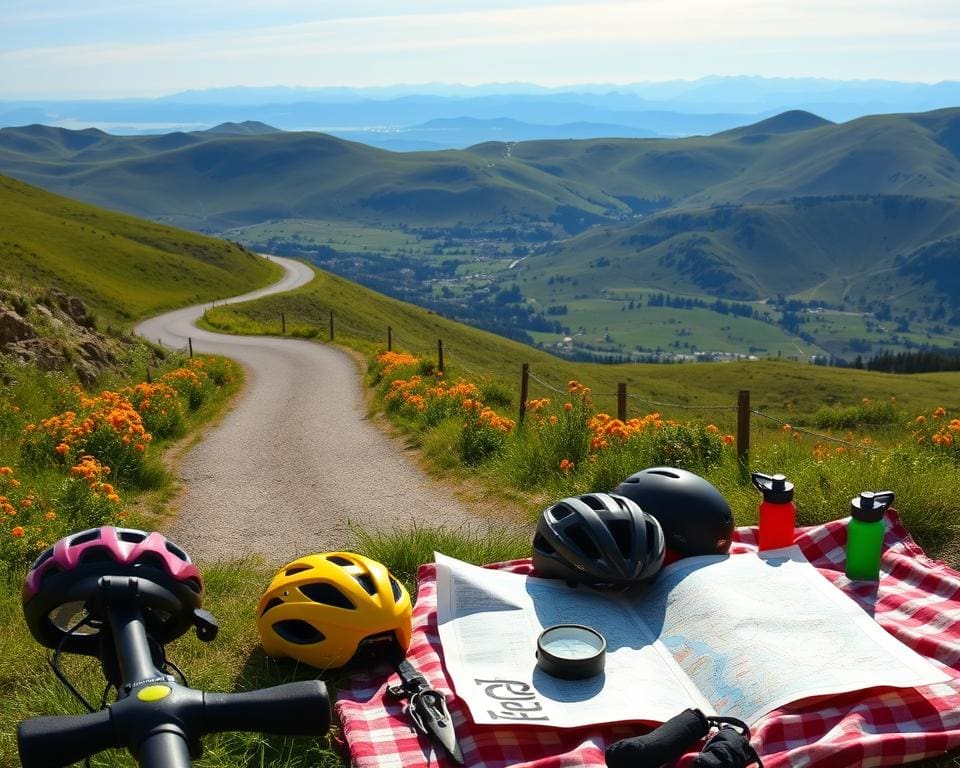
(106, 426)
(496, 394)
(29, 522)
(160, 407)
(219, 371)
(385, 364)
(869, 413)
(936, 435)
(188, 384)
(484, 434)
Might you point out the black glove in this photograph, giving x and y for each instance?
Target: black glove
(728, 748)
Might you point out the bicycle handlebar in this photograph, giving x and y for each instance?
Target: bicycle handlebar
(293, 709)
(160, 721)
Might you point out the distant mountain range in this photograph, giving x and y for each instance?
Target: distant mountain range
(405, 117)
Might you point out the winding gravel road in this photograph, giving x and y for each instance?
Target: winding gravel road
(295, 461)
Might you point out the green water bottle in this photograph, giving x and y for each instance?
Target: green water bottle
(865, 534)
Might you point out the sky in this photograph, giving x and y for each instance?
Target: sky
(145, 48)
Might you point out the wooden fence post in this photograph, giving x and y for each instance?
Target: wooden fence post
(190, 345)
(149, 377)
(622, 401)
(440, 355)
(389, 339)
(331, 325)
(743, 427)
(283, 323)
(524, 387)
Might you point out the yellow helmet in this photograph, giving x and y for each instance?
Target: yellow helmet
(320, 608)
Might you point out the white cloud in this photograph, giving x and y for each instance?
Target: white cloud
(473, 40)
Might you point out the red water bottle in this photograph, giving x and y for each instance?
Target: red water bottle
(777, 514)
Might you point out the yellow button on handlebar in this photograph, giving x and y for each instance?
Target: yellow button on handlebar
(153, 692)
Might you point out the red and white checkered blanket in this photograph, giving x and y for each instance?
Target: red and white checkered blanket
(917, 601)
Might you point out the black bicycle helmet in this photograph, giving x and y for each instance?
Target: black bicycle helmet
(598, 539)
(695, 518)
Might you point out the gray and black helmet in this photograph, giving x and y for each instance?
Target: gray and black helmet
(598, 539)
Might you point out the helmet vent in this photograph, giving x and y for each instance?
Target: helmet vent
(150, 559)
(132, 537)
(83, 538)
(194, 585)
(295, 570)
(273, 603)
(621, 530)
(579, 537)
(540, 544)
(96, 555)
(663, 472)
(561, 511)
(49, 573)
(44, 556)
(327, 594)
(337, 560)
(364, 580)
(174, 550)
(593, 501)
(397, 591)
(298, 632)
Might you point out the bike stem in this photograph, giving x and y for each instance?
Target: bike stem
(164, 743)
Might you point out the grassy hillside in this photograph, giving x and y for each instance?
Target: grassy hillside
(123, 268)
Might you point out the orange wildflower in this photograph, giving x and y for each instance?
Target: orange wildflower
(17, 532)
(566, 466)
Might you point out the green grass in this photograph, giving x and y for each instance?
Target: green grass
(123, 268)
(608, 324)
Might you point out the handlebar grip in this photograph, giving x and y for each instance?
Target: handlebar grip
(662, 745)
(52, 742)
(292, 709)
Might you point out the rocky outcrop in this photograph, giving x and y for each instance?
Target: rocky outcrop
(14, 328)
(55, 332)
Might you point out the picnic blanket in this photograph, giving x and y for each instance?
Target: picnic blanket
(917, 600)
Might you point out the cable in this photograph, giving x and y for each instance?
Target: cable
(168, 665)
(540, 381)
(54, 662)
(829, 438)
(683, 406)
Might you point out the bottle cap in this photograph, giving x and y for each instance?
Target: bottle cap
(776, 489)
(869, 506)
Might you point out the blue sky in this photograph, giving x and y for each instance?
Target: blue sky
(121, 48)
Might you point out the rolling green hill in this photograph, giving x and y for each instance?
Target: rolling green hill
(122, 268)
(861, 217)
(847, 249)
(212, 180)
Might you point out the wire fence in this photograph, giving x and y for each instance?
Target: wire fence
(741, 410)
